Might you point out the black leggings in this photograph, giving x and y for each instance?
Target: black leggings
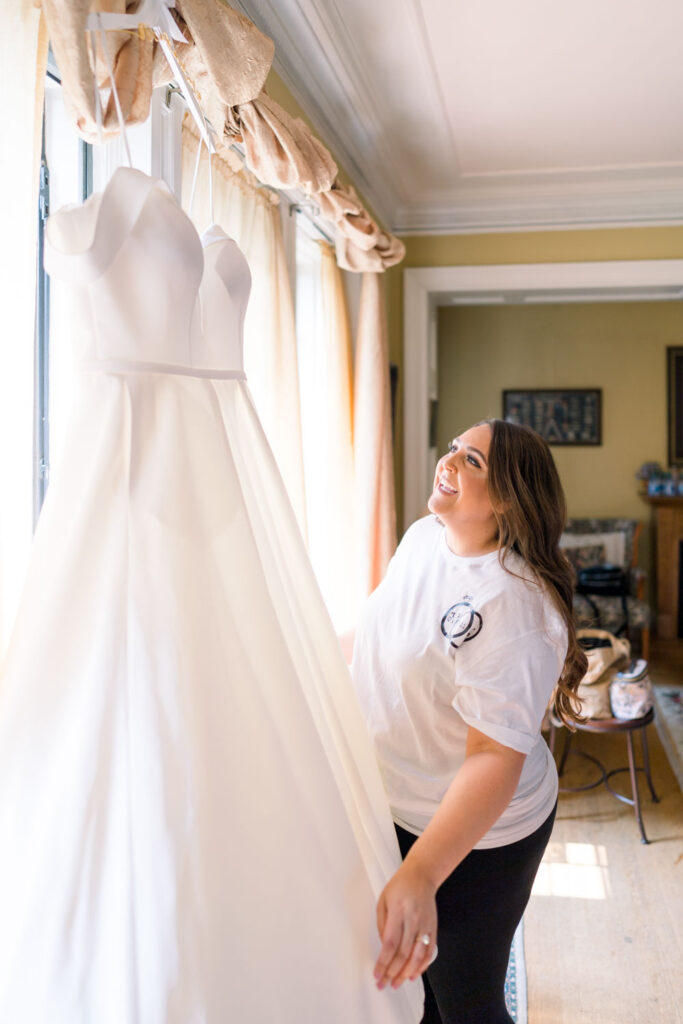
(479, 905)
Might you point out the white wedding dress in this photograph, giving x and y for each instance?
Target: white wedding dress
(192, 825)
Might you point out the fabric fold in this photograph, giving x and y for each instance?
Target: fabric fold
(280, 149)
(360, 243)
(387, 252)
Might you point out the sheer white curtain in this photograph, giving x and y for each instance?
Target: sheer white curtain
(325, 361)
(301, 379)
(374, 459)
(23, 55)
(250, 216)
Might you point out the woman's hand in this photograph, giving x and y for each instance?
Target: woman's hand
(475, 799)
(406, 911)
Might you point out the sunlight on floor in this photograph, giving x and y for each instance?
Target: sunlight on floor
(575, 870)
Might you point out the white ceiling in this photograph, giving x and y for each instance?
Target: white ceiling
(483, 115)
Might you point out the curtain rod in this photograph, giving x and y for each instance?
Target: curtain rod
(296, 202)
(300, 204)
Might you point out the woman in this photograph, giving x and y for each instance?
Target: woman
(457, 655)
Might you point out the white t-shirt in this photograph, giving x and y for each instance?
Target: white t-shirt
(446, 642)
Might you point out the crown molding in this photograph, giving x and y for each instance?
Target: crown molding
(654, 196)
(316, 58)
(534, 213)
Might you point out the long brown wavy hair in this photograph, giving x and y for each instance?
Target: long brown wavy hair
(531, 511)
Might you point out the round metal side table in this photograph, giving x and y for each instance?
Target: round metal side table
(610, 725)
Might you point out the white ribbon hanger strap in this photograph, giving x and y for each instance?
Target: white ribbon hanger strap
(115, 93)
(155, 13)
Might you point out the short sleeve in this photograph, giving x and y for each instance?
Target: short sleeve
(505, 692)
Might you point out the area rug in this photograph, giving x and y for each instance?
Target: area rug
(515, 981)
(669, 722)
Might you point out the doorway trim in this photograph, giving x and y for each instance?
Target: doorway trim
(427, 288)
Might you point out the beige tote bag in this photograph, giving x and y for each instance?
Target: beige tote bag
(606, 654)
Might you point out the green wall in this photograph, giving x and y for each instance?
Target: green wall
(618, 347)
(522, 247)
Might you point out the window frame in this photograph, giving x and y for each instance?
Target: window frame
(41, 375)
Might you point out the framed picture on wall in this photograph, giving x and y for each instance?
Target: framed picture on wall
(563, 416)
(674, 357)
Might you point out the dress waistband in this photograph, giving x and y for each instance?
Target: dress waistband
(134, 366)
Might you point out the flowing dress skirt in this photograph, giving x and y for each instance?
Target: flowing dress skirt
(192, 824)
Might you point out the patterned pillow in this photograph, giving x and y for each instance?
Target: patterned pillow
(583, 557)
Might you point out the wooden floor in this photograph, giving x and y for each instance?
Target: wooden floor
(604, 927)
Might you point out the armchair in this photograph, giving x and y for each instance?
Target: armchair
(595, 541)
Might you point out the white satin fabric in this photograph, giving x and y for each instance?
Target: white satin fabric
(192, 825)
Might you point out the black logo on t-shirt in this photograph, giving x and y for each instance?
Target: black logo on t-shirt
(461, 622)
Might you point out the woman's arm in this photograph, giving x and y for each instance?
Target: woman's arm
(474, 801)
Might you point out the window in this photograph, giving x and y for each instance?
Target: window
(66, 177)
(71, 171)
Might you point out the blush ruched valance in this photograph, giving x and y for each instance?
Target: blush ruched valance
(361, 244)
(224, 54)
(279, 149)
(227, 59)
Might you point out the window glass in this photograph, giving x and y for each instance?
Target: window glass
(67, 167)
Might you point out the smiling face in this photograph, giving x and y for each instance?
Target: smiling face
(460, 497)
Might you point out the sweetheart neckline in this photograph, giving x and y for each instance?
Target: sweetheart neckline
(103, 194)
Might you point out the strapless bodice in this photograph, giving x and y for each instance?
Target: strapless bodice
(223, 297)
(145, 289)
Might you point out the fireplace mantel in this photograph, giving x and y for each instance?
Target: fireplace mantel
(669, 543)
